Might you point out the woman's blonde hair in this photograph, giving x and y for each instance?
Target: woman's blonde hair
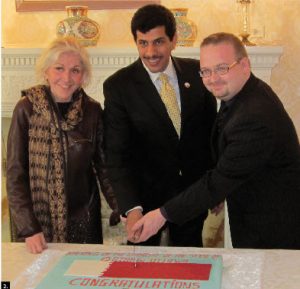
(53, 52)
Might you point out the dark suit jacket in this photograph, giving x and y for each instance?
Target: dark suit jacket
(147, 163)
(258, 172)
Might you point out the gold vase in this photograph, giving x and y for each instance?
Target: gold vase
(79, 25)
(186, 29)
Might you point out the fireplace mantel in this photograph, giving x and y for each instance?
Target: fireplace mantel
(18, 68)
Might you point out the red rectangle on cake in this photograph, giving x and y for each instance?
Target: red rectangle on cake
(154, 270)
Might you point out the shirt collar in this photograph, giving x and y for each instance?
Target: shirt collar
(170, 71)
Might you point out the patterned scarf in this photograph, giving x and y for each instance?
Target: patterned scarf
(48, 159)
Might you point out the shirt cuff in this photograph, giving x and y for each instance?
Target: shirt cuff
(164, 213)
(135, 208)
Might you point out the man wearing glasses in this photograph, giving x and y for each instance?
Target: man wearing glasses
(258, 157)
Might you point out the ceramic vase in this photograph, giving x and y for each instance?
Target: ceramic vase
(186, 29)
(77, 24)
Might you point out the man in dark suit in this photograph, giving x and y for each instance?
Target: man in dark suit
(258, 167)
(148, 162)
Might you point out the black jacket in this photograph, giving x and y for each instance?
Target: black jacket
(84, 151)
(147, 163)
(258, 172)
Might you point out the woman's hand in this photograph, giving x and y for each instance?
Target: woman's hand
(36, 243)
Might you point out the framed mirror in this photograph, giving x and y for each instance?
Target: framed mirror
(58, 5)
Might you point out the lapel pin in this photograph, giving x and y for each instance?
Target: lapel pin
(187, 85)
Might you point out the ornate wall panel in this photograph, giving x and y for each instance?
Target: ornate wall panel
(18, 68)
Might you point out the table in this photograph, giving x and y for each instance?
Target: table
(243, 268)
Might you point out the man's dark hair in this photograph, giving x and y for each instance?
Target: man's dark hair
(152, 16)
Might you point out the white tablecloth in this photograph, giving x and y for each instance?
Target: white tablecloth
(243, 269)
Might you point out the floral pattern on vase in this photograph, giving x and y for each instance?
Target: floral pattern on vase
(186, 29)
(79, 25)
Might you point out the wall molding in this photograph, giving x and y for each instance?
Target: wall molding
(18, 68)
(59, 5)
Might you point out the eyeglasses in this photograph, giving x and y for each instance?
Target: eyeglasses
(219, 69)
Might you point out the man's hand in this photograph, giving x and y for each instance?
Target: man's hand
(148, 226)
(132, 217)
(36, 243)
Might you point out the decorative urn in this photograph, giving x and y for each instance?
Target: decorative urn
(77, 24)
(186, 29)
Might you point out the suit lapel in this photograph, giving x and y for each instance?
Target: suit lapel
(214, 142)
(148, 91)
(217, 133)
(186, 87)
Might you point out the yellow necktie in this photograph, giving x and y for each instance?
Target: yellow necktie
(168, 96)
